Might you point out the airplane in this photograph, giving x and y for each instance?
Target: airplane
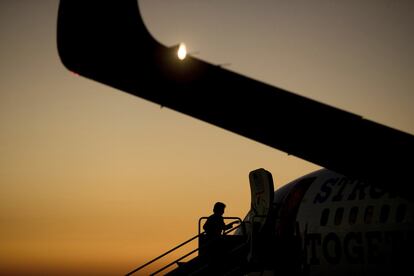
(353, 217)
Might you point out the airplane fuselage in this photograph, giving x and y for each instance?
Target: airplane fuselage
(327, 224)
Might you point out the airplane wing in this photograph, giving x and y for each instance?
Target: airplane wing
(108, 42)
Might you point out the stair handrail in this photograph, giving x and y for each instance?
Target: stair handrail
(178, 246)
(232, 251)
(174, 262)
(226, 232)
(162, 255)
(195, 250)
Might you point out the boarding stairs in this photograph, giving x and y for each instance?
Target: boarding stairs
(230, 260)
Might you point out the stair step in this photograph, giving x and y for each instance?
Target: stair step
(180, 264)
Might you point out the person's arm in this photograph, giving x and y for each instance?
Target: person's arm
(230, 225)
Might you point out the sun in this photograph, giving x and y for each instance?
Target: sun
(182, 51)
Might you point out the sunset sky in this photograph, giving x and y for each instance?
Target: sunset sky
(94, 181)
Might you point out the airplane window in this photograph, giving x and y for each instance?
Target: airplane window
(369, 213)
(324, 217)
(339, 215)
(353, 215)
(400, 215)
(385, 212)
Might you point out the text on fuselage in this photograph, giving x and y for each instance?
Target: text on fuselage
(343, 188)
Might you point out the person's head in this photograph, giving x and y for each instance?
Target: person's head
(219, 208)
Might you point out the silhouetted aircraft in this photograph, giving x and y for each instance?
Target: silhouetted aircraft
(354, 217)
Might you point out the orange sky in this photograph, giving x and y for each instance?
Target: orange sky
(95, 182)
